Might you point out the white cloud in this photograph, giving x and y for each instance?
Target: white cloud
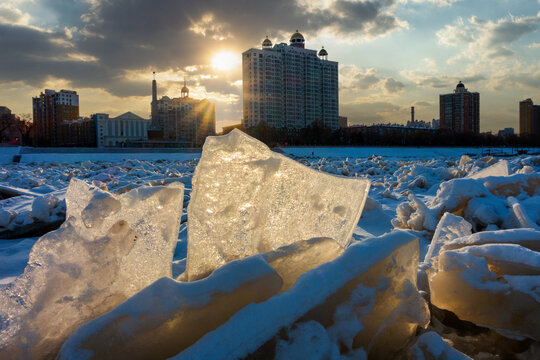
(487, 39)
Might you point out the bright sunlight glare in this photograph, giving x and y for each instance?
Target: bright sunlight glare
(225, 61)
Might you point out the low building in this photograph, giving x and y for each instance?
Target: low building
(120, 130)
(12, 128)
(506, 132)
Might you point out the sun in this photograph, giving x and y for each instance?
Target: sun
(225, 61)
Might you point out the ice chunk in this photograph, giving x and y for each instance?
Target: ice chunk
(481, 201)
(450, 227)
(491, 279)
(33, 215)
(365, 298)
(520, 215)
(498, 169)
(168, 316)
(109, 248)
(430, 346)
(247, 199)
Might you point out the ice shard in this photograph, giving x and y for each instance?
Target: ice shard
(491, 279)
(450, 227)
(246, 199)
(109, 248)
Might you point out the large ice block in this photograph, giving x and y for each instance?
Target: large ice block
(366, 298)
(168, 316)
(109, 248)
(172, 315)
(491, 279)
(247, 199)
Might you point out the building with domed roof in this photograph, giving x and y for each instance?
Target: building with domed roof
(460, 111)
(289, 86)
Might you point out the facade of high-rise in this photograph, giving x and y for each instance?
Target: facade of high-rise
(51, 110)
(120, 131)
(529, 118)
(289, 86)
(460, 111)
(184, 120)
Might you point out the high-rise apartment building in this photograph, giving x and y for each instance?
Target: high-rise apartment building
(289, 86)
(51, 110)
(529, 118)
(184, 120)
(460, 111)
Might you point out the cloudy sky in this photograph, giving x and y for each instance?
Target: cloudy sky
(392, 53)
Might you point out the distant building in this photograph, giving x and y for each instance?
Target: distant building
(529, 118)
(51, 109)
(184, 121)
(342, 120)
(12, 128)
(121, 130)
(460, 111)
(435, 123)
(506, 132)
(288, 86)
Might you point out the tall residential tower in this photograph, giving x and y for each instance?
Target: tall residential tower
(289, 86)
(51, 110)
(460, 111)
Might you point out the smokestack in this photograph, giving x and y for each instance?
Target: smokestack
(154, 88)
(412, 114)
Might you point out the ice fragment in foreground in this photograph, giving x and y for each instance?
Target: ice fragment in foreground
(246, 199)
(366, 298)
(450, 227)
(521, 217)
(491, 278)
(168, 316)
(109, 248)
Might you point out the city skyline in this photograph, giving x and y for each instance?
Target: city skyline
(392, 54)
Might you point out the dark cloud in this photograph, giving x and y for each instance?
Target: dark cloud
(165, 35)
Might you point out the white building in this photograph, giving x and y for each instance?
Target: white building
(116, 132)
(288, 86)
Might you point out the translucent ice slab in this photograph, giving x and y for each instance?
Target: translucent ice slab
(491, 278)
(247, 199)
(109, 248)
